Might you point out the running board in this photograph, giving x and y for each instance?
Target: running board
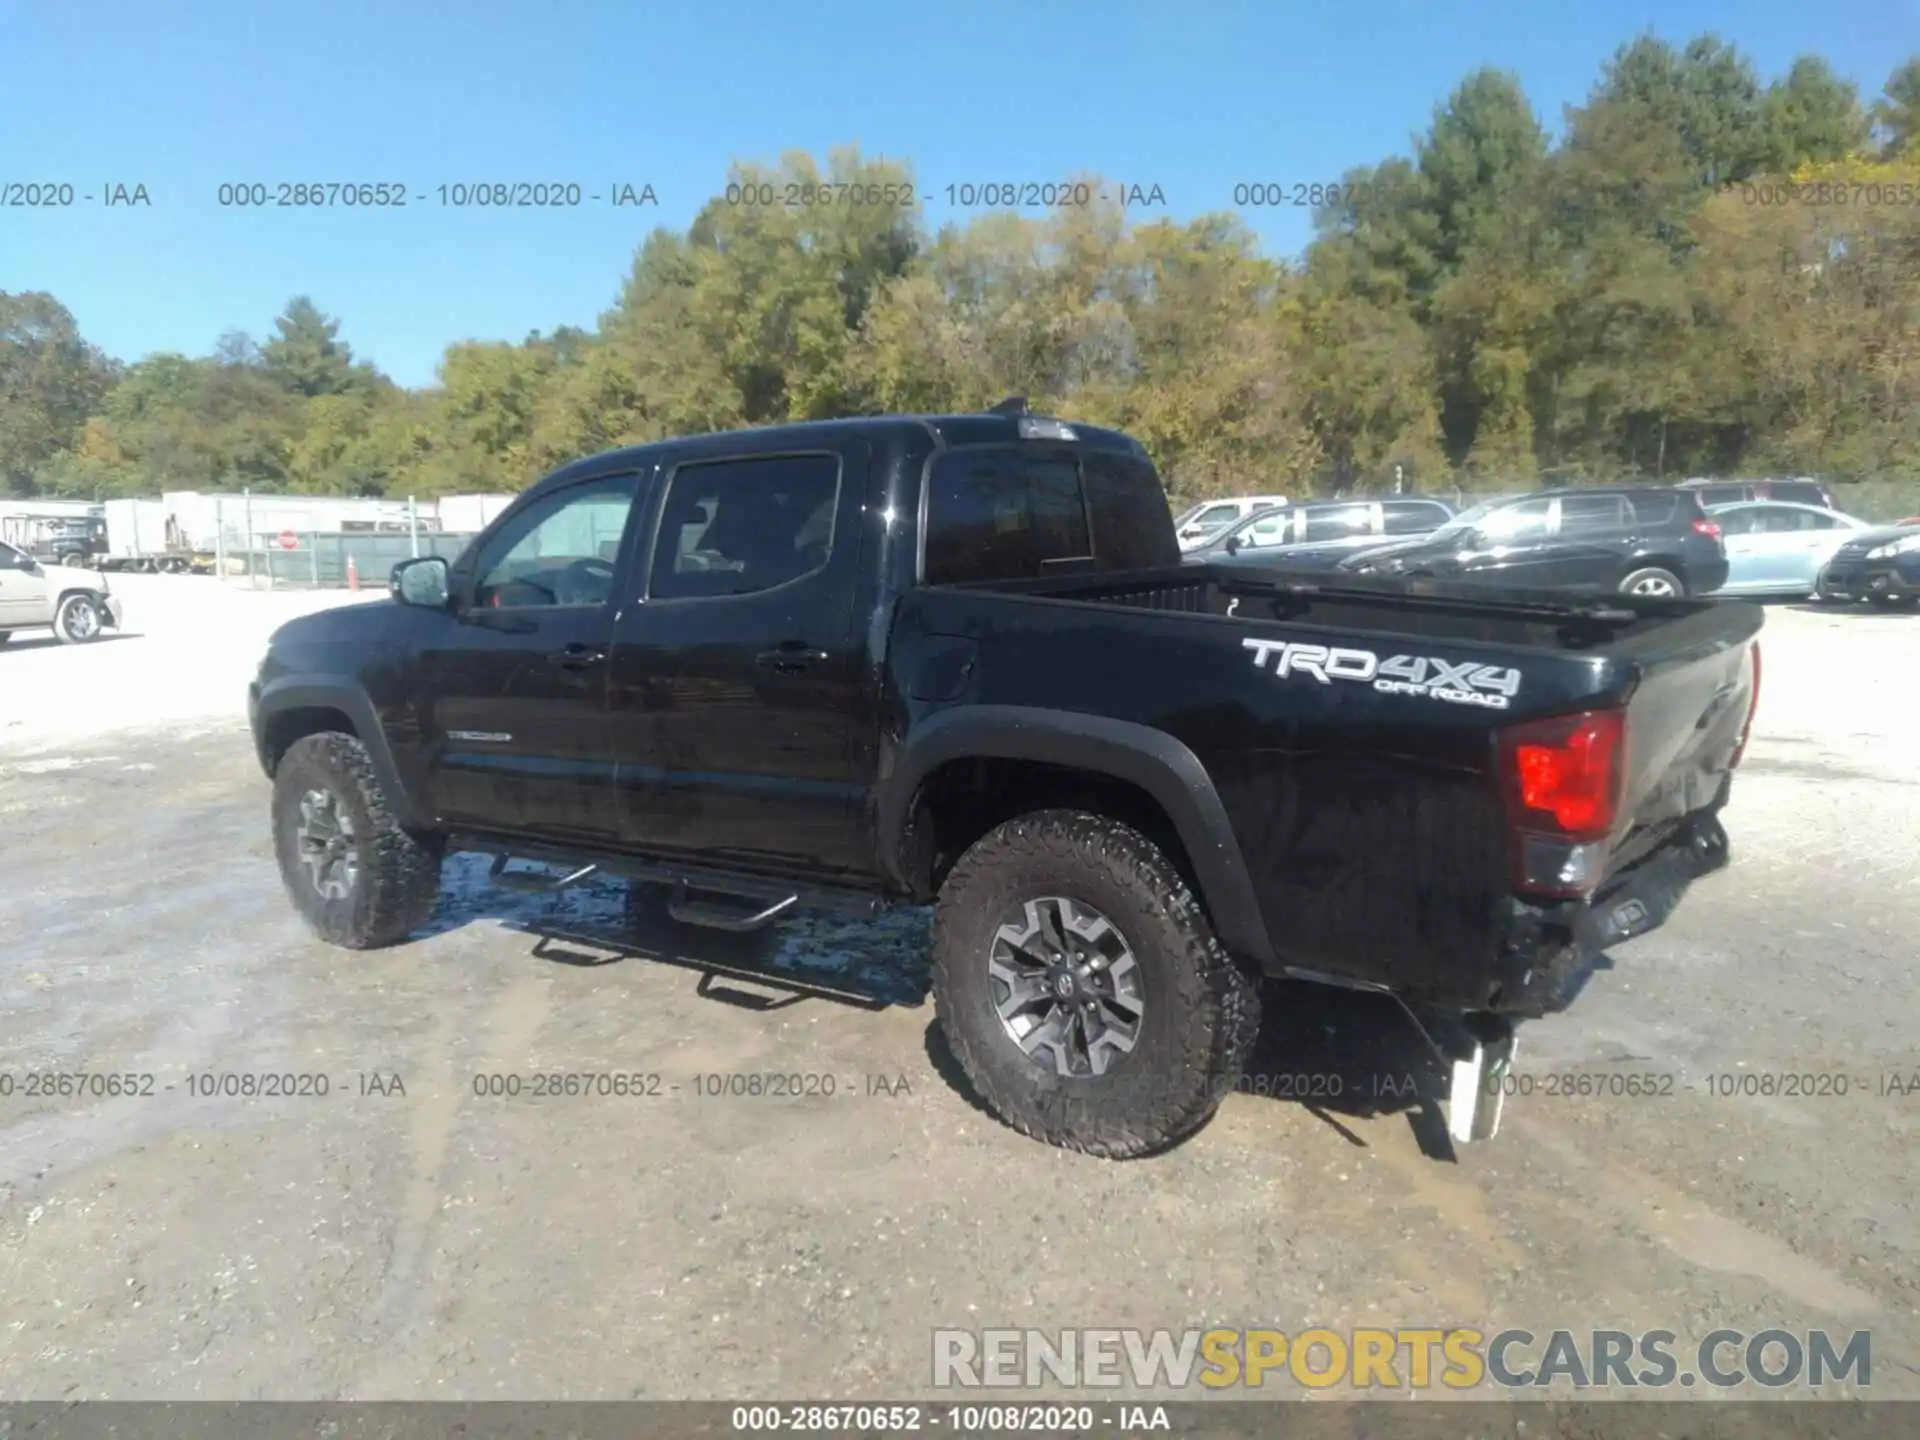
(723, 917)
(748, 887)
(528, 883)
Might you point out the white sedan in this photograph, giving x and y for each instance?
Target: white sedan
(75, 604)
(1777, 547)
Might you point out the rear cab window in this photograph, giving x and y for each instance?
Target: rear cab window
(1003, 512)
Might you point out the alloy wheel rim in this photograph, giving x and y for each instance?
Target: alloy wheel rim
(327, 845)
(1066, 987)
(82, 621)
(1652, 585)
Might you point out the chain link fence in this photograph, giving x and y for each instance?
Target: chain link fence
(318, 559)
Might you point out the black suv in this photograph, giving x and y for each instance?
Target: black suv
(1642, 540)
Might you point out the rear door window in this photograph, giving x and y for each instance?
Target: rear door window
(1336, 522)
(1000, 513)
(1786, 520)
(1654, 510)
(1722, 494)
(732, 527)
(1592, 515)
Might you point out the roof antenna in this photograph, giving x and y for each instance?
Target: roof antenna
(1012, 405)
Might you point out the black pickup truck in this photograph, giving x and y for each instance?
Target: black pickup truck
(957, 659)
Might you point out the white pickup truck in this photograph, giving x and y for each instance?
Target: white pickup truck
(75, 604)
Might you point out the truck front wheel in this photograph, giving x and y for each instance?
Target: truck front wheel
(77, 620)
(357, 878)
(1082, 990)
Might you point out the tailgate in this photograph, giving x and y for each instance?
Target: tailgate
(1686, 716)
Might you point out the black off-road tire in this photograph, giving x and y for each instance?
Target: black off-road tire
(398, 880)
(1202, 1012)
(1893, 602)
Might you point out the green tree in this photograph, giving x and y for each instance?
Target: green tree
(50, 380)
(1812, 115)
(1896, 114)
(305, 355)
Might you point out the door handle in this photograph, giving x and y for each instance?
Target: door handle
(576, 657)
(790, 657)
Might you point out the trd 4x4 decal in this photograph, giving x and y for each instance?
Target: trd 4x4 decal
(1464, 682)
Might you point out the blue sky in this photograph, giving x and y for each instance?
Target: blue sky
(1193, 96)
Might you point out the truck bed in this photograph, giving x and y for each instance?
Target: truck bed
(1366, 795)
(1432, 610)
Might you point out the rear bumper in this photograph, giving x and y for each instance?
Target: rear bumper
(1863, 579)
(1550, 948)
(1707, 576)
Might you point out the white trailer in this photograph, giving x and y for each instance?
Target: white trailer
(144, 535)
(466, 514)
(192, 529)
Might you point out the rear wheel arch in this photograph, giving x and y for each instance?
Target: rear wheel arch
(1671, 564)
(967, 770)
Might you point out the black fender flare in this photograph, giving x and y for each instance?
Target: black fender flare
(1151, 759)
(346, 695)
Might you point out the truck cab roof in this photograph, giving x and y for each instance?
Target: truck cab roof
(945, 431)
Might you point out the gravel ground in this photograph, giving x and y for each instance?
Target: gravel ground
(435, 1244)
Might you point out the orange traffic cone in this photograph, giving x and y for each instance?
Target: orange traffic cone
(353, 574)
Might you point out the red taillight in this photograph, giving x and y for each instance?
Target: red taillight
(1753, 704)
(1706, 527)
(1563, 773)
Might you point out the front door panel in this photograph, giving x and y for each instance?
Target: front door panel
(517, 679)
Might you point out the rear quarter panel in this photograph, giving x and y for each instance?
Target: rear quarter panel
(1370, 823)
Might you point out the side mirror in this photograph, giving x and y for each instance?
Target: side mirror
(421, 581)
(1233, 544)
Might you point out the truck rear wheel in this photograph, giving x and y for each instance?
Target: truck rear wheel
(357, 878)
(1083, 991)
(1655, 581)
